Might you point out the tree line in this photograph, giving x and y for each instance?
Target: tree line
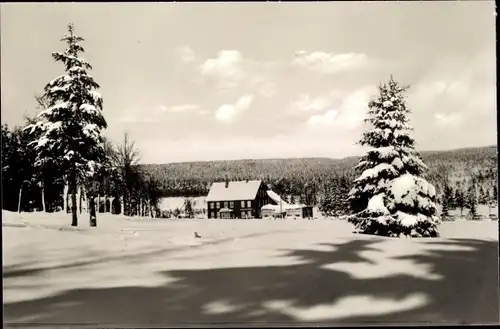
(120, 186)
(60, 160)
(137, 188)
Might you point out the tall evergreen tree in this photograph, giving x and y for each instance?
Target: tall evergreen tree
(471, 201)
(188, 207)
(335, 201)
(69, 130)
(446, 201)
(460, 199)
(483, 195)
(389, 197)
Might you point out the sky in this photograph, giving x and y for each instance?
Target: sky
(215, 81)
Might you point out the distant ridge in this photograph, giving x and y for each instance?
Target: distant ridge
(194, 178)
(463, 149)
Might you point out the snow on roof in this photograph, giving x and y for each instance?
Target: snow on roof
(273, 208)
(276, 198)
(235, 191)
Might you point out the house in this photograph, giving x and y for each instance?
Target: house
(237, 199)
(287, 210)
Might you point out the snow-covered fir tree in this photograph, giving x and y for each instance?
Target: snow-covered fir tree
(335, 200)
(471, 200)
(69, 129)
(446, 202)
(390, 198)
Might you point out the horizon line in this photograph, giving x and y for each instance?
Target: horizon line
(309, 157)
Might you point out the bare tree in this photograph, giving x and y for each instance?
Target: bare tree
(126, 158)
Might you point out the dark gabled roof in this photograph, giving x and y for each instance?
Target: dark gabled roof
(235, 191)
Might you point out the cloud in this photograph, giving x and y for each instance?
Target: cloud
(327, 63)
(306, 103)
(135, 117)
(262, 86)
(229, 70)
(154, 114)
(225, 69)
(244, 102)
(176, 108)
(184, 108)
(443, 119)
(227, 112)
(326, 119)
(349, 115)
(186, 54)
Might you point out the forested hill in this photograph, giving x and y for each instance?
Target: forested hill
(295, 175)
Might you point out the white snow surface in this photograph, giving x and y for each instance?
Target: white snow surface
(408, 219)
(407, 187)
(126, 271)
(276, 198)
(376, 205)
(397, 163)
(387, 104)
(384, 152)
(42, 141)
(375, 171)
(96, 95)
(91, 130)
(50, 110)
(91, 109)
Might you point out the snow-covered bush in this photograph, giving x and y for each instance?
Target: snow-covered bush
(389, 197)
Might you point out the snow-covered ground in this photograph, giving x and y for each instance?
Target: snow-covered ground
(144, 272)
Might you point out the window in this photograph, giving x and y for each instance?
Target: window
(242, 204)
(231, 204)
(211, 205)
(225, 204)
(218, 205)
(249, 214)
(249, 204)
(212, 214)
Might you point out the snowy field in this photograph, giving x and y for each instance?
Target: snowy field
(154, 272)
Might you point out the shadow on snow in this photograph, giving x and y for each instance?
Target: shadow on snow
(466, 294)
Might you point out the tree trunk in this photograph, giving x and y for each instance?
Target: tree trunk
(80, 199)
(43, 200)
(19, 201)
(87, 199)
(92, 212)
(98, 206)
(122, 205)
(66, 190)
(74, 215)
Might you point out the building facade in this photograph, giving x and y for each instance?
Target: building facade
(237, 199)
